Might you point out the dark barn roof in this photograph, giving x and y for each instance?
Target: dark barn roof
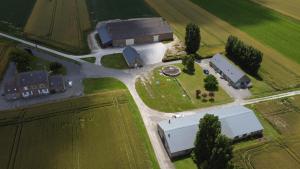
(132, 57)
(57, 83)
(32, 78)
(128, 29)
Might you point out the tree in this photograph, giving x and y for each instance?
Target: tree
(22, 60)
(192, 38)
(212, 149)
(209, 129)
(211, 83)
(221, 154)
(56, 67)
(189, 64)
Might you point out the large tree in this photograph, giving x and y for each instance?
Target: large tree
(211, 83)
(189, 64)
(22, 60)
(212, 149)
(192, 38)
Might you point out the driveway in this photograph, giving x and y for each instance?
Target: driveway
(237, 94)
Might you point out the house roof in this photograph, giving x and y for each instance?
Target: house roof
(32, 78)
(230, 70)
(131, 56)
(235, 121)
(128, 29)
(57, 83)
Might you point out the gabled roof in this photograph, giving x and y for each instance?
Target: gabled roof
(132, 28)
(132, 56)
(230, 70)
(235, 121)
(32, 78)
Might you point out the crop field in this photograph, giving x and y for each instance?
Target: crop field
(60, 23)
(14, 14)
(99, 131)
(284, 116)
(176, 94)
(4, 57)
(287, 7)
(115, 9)
(278, 71)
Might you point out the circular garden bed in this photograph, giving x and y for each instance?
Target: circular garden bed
(171, 71)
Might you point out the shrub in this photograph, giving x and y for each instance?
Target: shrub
(56, 68)
(211, 83)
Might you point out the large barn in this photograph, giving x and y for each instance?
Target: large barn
(178, 134)
(235, 77)
(120, 33)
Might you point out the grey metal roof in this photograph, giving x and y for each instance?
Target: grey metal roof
(132, 28)
(235, 121)
(131, 56)
(231, 71)
(57, 82)
(105, 37)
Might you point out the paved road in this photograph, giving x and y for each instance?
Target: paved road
(150, 117)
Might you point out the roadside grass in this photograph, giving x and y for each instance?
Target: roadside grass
(101, 130)
(14, 14)
(176, 94)
(62, 24)
(269, 27)
(115, 61)
(101, 10)
(90, 59)
(288, 7)
(93, 85)
(278, 72)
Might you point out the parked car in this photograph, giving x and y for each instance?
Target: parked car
(205, 71)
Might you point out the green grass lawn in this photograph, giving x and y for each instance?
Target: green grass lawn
(270, 27)
(176, 94)
(115, 9)
(90, 59)
(115, 61)
(93, 85)
(103, 130)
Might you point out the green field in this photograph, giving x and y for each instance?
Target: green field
(115, 61)
(99, 131)
(115, 9)
(62, 24)
(14, 14)
(267, 26)
(176, 94)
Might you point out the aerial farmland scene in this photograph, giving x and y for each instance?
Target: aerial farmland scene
(150, 84)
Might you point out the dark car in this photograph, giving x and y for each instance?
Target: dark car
(205, 71)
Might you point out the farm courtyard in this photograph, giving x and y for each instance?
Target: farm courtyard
(101, 130)
(177, 94)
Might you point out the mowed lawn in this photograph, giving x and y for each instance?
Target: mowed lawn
(14, 14)
(60, 23)
(278, 71)
(115, 61)
(267, 26)
(115, 9)
(286, 7)
(176, 94)
(103, 130)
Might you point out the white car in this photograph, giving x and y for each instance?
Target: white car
(70, 83)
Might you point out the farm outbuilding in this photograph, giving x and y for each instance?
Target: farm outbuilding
(120, 33)
(132, 57)
(235, 77)
(178, 134)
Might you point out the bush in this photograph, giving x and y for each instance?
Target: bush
(211, 83)
(56, 68)
(189, 64)
(198, 94)
(22, 60)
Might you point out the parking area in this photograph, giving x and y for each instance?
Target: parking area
(237, 94)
